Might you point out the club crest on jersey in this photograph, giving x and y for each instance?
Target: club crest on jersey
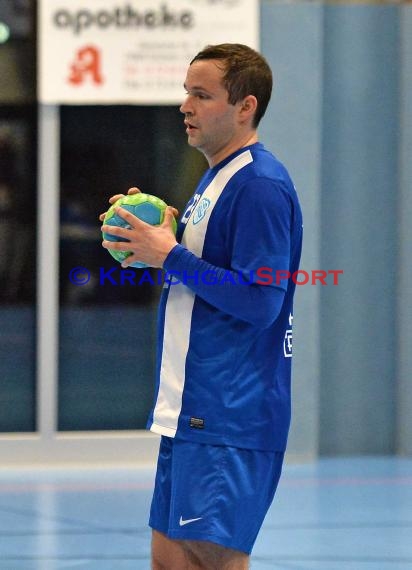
(190, 207)
(201, 210)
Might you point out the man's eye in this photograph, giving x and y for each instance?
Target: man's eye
(197, 95)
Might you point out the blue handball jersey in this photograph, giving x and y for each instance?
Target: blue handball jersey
(225, 315)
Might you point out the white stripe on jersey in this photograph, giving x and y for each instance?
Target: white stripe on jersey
(179, 308)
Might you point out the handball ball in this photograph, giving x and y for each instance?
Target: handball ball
(146, 207)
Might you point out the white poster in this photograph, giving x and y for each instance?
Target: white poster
(132, 51)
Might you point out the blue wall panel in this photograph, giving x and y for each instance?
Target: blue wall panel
(358, 219)
(404, 275)
(336, 122)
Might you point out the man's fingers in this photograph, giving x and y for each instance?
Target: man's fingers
(133, 221)
(168, 217)
(114, 198)
(130, 192)
(116, 245)
(130, 218)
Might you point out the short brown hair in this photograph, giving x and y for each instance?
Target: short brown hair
(246, 73)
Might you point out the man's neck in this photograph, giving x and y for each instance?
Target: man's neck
(249, 139)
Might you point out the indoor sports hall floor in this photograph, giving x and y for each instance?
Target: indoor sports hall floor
(335, 514)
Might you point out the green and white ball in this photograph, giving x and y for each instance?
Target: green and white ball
(146, 207)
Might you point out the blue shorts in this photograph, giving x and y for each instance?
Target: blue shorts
(213, 493)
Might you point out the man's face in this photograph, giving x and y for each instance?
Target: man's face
(211, 121)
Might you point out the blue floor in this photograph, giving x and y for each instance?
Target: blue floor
(335, 514)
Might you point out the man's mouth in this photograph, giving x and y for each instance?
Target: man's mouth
(189, 127)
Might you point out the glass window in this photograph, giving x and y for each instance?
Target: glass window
(17, 216)
(17, 273)
(108, 329)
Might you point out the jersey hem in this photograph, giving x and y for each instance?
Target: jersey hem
(276, 446)
(185, 534)
(162, 430)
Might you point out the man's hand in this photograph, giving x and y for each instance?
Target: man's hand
(148, 244)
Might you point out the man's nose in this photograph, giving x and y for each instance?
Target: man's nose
(185, 107)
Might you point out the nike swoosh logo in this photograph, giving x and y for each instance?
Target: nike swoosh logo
(187, 521)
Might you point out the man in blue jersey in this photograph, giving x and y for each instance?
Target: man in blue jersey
(222, 402)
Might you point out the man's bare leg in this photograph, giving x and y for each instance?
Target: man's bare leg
(170, 554)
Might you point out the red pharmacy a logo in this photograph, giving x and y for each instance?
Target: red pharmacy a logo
(86, 65)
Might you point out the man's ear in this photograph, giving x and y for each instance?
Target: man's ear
(248, 107)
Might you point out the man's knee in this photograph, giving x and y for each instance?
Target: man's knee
(210, 556)
(167, 554)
